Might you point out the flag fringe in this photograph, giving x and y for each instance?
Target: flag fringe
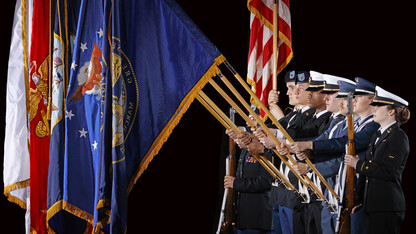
(160, 140)
(263, 19)
(101, 224)
(253, 100)
(183, 107)
(103, 206)
(62, 205)
(15, 186)
(16, 200)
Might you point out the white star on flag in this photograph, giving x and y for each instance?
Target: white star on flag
(69, 114)
(73, 65)
(95, 145)
(101, 33)
(83, 46)
(83, 133)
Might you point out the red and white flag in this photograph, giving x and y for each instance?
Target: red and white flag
(260, 62)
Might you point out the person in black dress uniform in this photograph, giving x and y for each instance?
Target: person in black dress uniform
(320, 120)
(252, 185)
(284, 199)
(386, 157)
(307, 128)
(285, 121)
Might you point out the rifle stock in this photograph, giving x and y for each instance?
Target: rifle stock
(226, 226)
(230, 168)
(345, 227)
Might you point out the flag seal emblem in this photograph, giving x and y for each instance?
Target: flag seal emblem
(125, 97)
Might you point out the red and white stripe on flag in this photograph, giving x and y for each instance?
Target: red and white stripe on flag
(260, 61)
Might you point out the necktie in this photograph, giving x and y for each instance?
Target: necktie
(378, 134)
(356, 125)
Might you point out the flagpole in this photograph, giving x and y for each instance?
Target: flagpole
(50, 62)
(275, 40)
(264, 108)
(228, 124)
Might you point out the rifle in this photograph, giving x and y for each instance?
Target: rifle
(350, 177)
(305, 180)
(280, 179)
(226, 216)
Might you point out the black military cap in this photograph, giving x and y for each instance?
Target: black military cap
(302, 77)
(291, 76)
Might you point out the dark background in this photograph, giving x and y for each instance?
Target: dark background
(180, 189)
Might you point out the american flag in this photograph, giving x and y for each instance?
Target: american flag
(260, 62)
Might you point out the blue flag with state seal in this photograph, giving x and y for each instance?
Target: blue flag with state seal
(135, 69)
(160, 60)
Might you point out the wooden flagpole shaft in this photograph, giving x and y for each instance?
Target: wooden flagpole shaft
(217, 116)
(228, 124)
(202, 98)
(275, 40)
(231, 102)
(251, 123)
(275, 122)
(50, 71)
(243, 115)
(308, 182)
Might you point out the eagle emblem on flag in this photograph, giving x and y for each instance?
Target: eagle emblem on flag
(89, 76)
(39, 94)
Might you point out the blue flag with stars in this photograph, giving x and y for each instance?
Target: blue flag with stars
(58, 218)
(82, 118)
(160, 60)
(136, 68)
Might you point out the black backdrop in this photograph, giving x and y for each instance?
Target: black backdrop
(180, 189)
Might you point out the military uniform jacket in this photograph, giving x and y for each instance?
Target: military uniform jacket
(284, 121)
(252, 185)
(325, 148)
(310, 128)
(296, 117)
(383, 167)
(293, 120)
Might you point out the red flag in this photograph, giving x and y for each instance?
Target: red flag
(38, 114)
(260, 64)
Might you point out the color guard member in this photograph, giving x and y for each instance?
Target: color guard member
(386, 157)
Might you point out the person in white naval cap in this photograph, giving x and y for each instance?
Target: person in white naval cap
(384, 202)
(332, 145)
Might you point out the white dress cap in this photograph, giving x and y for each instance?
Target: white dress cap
(384, 97)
